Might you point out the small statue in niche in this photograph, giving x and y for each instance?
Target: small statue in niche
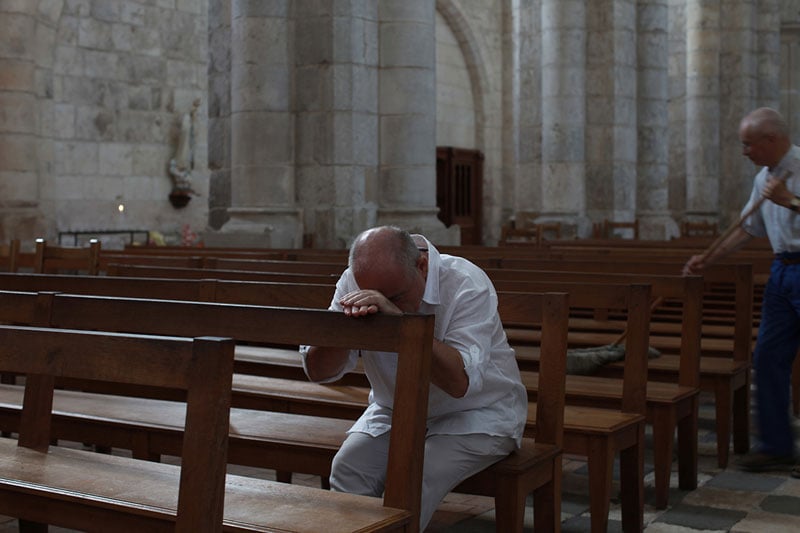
(182, 164)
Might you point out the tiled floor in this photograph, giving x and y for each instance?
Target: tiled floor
(725, 500)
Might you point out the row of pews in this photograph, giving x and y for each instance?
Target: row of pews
(702, 327)
(149, 424)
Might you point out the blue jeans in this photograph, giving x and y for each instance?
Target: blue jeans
(776, 347)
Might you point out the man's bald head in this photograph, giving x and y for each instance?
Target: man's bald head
(387, 259)
(765, 136)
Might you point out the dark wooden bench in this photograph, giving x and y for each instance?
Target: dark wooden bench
(724, 364)
(127, 270)
(406, 336)
(9, 255)
(599, 427)
(48, 258)
(534, 468)
(670, 407)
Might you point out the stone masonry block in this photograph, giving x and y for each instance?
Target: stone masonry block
(407, 140)
(259, 41)
(405, 45)
(69, 61)
(64, 121)
(19, 112)
(19, 188)
(261, 138)
(17, 32)
(18, 6)
(107, 10)
(95, 34)
(407, 90)
(19, 152)
(76, 158)
(78, 8)
(16, 75)
(259, 87)
(261, 8)
(411, 10)
(150, 159)
(115, 159)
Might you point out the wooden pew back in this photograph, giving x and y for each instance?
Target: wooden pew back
(203, 367)
(9, 255)
(49, 258)
(410, 336)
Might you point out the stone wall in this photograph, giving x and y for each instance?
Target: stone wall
(318, 119)
(112, 80)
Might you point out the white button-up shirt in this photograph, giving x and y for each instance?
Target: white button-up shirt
(779, 224)
(464, 302)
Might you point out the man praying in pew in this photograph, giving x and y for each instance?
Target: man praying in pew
(477, 403)
(773, 211)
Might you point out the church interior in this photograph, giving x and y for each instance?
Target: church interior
(234, 149)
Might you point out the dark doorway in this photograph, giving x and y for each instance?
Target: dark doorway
(459, 190)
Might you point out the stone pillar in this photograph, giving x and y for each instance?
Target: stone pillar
(564, 113)
(219, 112)
(652, 188)
(20, 126)
(738, 86)
(407, 119)
(263, 211)
(768, 54)
(337, 119)
(611, 110)
(702, 107)
(528, 183)
(676, 107)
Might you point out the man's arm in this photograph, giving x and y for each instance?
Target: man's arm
(737, 238)
(447, 366)
(323, 363)
(447, 370)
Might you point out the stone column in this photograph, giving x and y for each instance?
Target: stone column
(702, 107)
(611, 110)
(528, 182)
(263, 211)
(407, 119)
(337, 119)
(219, 112)
(564, 113)
(652, 188)
(676, 107)
(738, 86)
(20, 126)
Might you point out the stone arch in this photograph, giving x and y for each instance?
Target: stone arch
(474, 58)
(484, 91)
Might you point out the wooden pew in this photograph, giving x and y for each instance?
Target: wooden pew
(9, 254)
(611, 434)
(405, 335)
(670, 407)
(124, 270)
(50, 259)
(77, 489)
(615, 432)
(728, 378)
(534, 468)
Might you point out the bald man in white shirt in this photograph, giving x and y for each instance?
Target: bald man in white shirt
(477, 404)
